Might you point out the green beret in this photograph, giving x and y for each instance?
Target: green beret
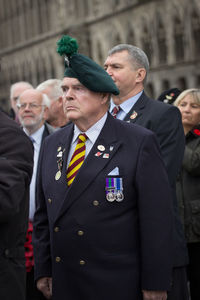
(79, 66)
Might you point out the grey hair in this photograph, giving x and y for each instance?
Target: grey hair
(45, 100)
(195, 93)
(137, 56)
(54, 85)
(16, 84)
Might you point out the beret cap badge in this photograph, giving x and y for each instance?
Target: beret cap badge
(79, 66)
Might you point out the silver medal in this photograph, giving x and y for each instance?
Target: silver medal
(110, 196)
(119, 196)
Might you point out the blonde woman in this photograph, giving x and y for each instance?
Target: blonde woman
(188, 183)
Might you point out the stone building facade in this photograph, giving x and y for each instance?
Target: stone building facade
(167, 30)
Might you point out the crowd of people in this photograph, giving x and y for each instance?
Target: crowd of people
(99, 184)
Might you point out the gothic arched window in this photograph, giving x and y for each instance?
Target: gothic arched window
(178, 39)
(146, 43)
(195, 24)
(162, 46)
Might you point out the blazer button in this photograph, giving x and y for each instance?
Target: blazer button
(58, 259)
(82, 262)
(49, 200)
(95, 202)
(80, 232)
(56, 229)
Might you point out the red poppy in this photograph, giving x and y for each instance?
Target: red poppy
(197, 132)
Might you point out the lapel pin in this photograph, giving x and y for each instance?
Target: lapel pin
(111, 148)
(59, 148)
(58, 175)
(101, 147)
(60, 154)
(134, 115)
(98, 153)
(106, 155)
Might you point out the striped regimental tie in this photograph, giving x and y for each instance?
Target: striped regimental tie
(77, 159)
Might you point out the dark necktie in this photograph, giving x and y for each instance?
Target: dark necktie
(115, 111)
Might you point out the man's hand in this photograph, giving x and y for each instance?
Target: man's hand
(44, 285)
(154, 295)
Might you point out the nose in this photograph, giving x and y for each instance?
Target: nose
(109, 70)
(68, 95)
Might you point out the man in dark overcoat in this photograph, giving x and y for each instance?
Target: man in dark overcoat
(105, 233)
(128, 66)
(16, 162)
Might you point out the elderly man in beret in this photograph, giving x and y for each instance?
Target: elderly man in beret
(103, 224)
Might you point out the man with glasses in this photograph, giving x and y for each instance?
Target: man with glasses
(15, 90)
(32, 107)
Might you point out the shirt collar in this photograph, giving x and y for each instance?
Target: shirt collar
(128, 104)
(37, 135)
(93, 132)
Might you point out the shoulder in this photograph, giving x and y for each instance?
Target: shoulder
(159, 106)
(128, 130)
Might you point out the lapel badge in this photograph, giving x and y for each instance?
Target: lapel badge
(60, 154)
(134, 115)
(106, 155)
(101, 147)
(111, 148)
(58, 175)
(98, 153)
(59, 162)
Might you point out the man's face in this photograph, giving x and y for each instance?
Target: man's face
(54, 109)
(82, 106)
(120, 68)
(31, 110)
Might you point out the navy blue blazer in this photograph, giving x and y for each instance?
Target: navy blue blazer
(93, 248)
(165, 121)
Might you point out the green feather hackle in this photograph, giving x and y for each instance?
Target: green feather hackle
(67, 46)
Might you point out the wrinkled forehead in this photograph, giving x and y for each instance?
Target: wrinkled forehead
(31, 96)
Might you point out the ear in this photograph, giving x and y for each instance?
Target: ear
(104, 97)
(140, 75)
(60, 101)
(46, 113)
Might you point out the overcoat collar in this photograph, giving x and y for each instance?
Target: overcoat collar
(92, 165)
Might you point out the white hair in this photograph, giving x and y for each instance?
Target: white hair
(16, 84)
(55, 88)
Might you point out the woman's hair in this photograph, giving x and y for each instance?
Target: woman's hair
(195, 93)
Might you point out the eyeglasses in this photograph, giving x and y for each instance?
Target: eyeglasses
(30, 105)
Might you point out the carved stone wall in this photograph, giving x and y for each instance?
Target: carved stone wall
(167, 30)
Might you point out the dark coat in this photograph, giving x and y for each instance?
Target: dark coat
(165, 121)
(95, 249)
(188, 187)
(16, 161)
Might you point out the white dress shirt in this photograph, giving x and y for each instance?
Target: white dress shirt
(36, 137)
(92, 134)
(125, 106)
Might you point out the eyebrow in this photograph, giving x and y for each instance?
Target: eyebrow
(73, 85)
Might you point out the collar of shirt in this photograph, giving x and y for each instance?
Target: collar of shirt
(93, 132)
(37, 135)
(125, 106)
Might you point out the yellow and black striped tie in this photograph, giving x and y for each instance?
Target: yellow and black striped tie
(77, 159)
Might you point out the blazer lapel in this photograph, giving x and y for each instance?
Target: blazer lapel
(93, 164)
(137, 110)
